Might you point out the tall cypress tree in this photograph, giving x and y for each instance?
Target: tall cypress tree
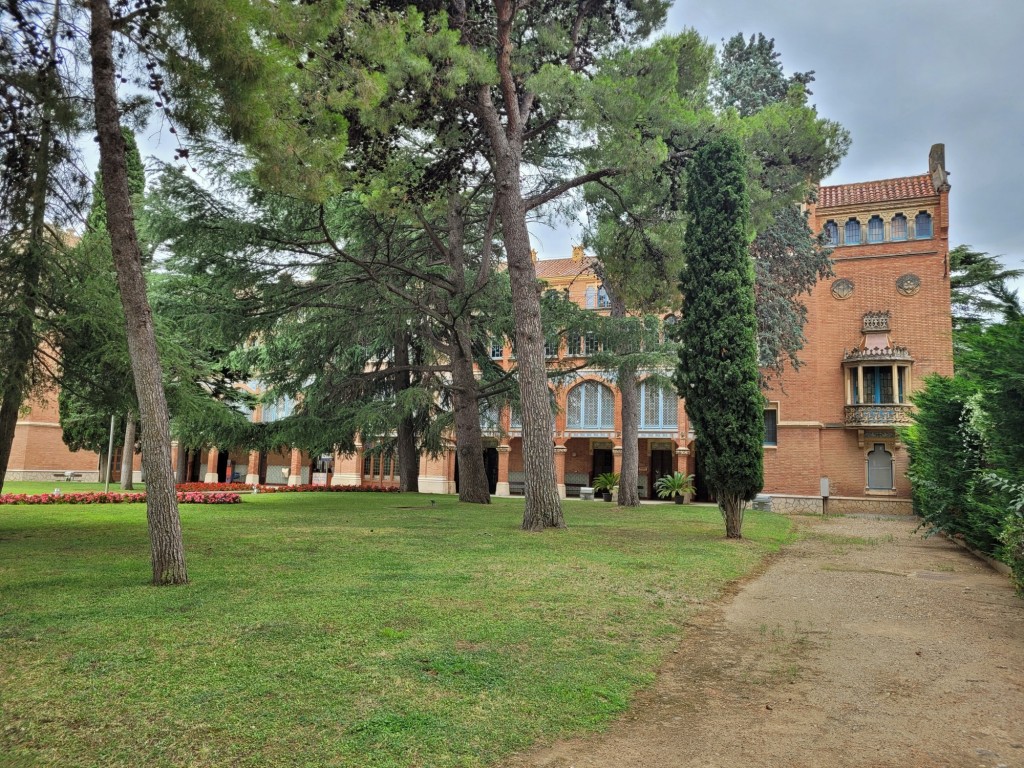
(717, 371)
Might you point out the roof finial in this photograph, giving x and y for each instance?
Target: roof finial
(577, 253)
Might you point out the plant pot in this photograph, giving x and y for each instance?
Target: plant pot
(607, 495)
(680, 499)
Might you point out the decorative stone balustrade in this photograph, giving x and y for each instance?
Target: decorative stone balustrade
(874, 415)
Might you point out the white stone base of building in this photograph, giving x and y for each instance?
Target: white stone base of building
(561, 490)
(294, 479)
(436, 484)
(502, 489)
(210, 477)
(346, 478)
(252, 479)
(51, 475)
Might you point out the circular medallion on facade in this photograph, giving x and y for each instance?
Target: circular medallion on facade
(842, 288)
(908, 284)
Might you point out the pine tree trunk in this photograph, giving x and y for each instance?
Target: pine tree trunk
(732, 506)
(168, 554)
(23, 342)
(128, 452)
(408, 453)
(469, 440)
(543, 507)
(629, 391)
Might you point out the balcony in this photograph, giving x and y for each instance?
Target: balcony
(879, 415)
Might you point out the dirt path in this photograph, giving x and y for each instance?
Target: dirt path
(861, 645)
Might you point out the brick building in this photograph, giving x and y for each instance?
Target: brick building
(874, 330)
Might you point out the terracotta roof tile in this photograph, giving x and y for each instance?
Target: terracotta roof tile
(564, 267)
(903, 188)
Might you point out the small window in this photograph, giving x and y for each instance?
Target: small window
(574, 346)
(876, 229)
(831, 233)
(366, 464)
(550, 347)
(851, 233)
(602, 298)
(591, 297)
(771, 427)
(898, 227)
(497, 349)
(923, 226)
(880, 474)
(591, 345)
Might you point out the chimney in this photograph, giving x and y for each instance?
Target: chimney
(937, 168)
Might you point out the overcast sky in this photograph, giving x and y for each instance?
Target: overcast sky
(902, 75)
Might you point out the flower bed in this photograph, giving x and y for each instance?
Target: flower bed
(242, 487)
(98, 497)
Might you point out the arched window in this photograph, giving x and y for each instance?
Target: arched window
(923, 226)
(880, 468)
(898, 227)
(591, 297)
(590, 405)
(876, 229)
(490, 418)
(851, 232)
(659, 407)
(831, 233)
(602, 298)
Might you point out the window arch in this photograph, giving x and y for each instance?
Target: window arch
(590, 405)
(923, 226)
(659, 407)
(831, 233)
(898, 227)
(851, 232)
(876, 229)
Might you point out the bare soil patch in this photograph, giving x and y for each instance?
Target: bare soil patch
(863, 644)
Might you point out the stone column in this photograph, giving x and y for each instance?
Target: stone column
(295, 471)
(617, 459)
(560, 451)
(252, 472)
(682, 459)
(211, 466)
(502, 488)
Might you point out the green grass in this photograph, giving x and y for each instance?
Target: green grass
(342, 629)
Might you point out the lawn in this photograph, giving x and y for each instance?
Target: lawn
(342, 629)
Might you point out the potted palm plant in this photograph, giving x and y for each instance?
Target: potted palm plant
(677, 486)
(604, 483)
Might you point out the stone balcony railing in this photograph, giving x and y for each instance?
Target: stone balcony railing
(879, 415)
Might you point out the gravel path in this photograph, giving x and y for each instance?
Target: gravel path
(862, 645)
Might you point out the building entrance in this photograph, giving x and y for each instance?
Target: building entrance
(603, 462)
(661, 465)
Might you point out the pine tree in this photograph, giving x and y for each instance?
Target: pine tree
(717, 371)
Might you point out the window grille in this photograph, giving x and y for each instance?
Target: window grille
(590, 405)
(852, 232)
(497, 349)
(603, 301)
(771, 427)
(922, 226)
(876, 229)
(659, 408)
(375, 471)
(366, 464)
(898, 227)
(574, 345)
(591, 345)
(591, 297)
